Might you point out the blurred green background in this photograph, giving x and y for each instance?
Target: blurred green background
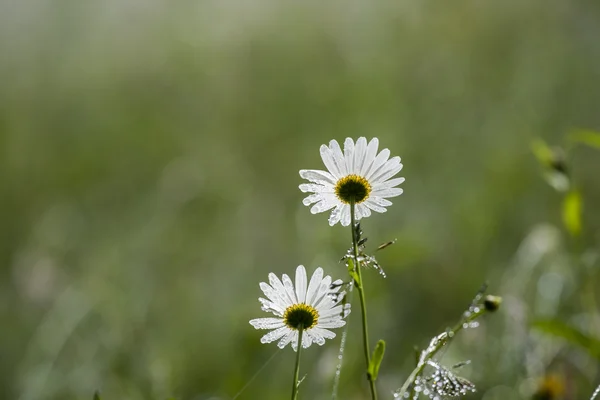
(149, 181)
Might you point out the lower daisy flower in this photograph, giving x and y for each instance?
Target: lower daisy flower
(312, 308)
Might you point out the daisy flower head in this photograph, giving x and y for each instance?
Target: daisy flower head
(315, 308)
(357, 175)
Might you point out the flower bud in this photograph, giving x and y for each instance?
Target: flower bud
(492, 303)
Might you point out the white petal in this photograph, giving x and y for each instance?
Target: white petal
(340, 311)
(345, 216)
(332, 318)
(322, 300)
(347, 310)
(360, 152)
(388, 184)
(301, 283)
(313, 198)
(323, 332)
(371, 153)
(338, 156)
(349, 155)
(287, 338)
(337, 285)
(364, 210)
(315, 337)
(269, 306)
(285, 299)
(334, 311)
(389, 192)
(267, 323)
(391, 168)
(357, 213)
(338, 323)
(289, 288)
(274, 335)
(295, 340)
(381, 201)
(378, 163)
(272, 294)
(316, 176)
(329, 161)
(334, 218)
(306, 340)
(339, 298)
(314, 188)
(372, 204)
(326, 204)
(313, 286)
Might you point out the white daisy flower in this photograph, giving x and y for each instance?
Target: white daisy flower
(313, 308)
(358, 174)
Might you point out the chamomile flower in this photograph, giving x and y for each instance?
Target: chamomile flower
(314, 308)
(359, 175)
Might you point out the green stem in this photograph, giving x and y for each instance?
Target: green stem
(297, 368)
(363, 304)
(423, 360)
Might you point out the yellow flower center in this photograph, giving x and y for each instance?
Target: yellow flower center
(300, 314)
(352, 187)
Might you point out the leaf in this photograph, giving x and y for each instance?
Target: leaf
(542, 152)
(96, 395)
(350, 264)
(373, 369)
(553, 161)
(351, 272)
(587, 137)
(354, 276)
(571, 212)
(572, 335)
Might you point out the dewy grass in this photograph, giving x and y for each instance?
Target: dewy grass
(443, 382)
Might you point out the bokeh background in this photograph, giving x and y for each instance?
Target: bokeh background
(149, 181)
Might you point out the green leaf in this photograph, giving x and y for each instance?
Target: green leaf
(553, 162)
(587, 137)
(350, 264)
(542, 152)
(373, 369)
(354, 276)
(96, 395)
(572, 335)
(571, 212)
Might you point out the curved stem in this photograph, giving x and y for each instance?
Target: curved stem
(363, 304)
(297, 368)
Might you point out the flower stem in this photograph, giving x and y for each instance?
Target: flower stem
(297, 368)
(363, 304)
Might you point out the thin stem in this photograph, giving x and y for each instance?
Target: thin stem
(431, 353)
(297, 368)
(363, 304)
(338, 369)
(596, 393)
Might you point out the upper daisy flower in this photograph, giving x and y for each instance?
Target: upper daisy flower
(310, 308)
(358, 175)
